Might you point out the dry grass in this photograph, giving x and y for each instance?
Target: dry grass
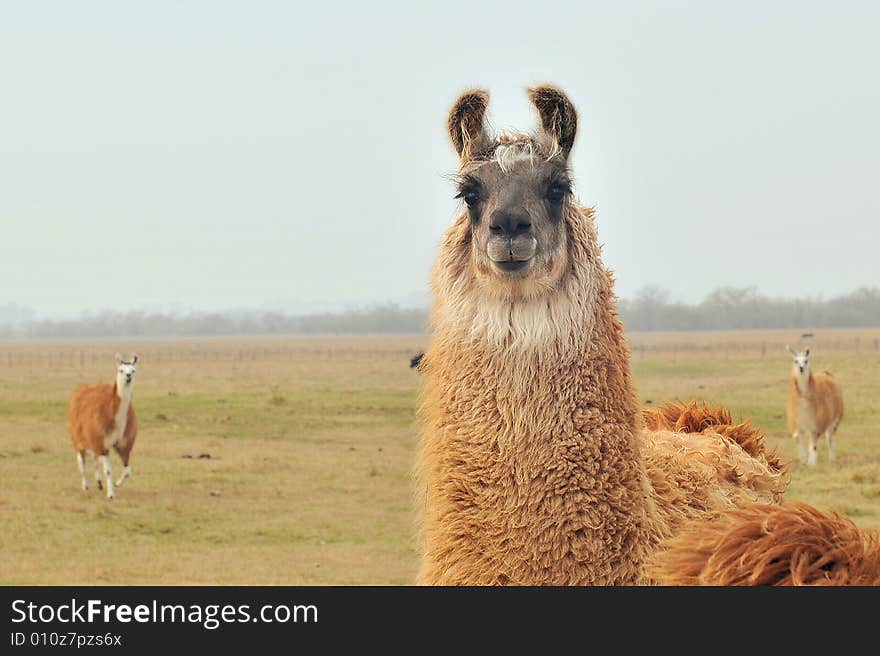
(257, 462)
(288, 460)
(748, 372)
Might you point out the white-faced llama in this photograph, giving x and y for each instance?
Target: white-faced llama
(100, 416)
(535, 463)
(815, 407)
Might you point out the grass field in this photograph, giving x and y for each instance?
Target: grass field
(287, 461)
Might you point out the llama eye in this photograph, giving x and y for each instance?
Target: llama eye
(471, 198)
(556, 193)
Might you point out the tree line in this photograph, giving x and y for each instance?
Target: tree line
(727, 308)
(388, 318)
(733, 308)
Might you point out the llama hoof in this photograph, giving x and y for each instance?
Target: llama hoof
(100, 485)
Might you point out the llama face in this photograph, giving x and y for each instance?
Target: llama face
(801, 361)
(516, 203)
(125, 371)
(517, 190)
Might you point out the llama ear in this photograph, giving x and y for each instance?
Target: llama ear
(467, 124)
(118, 358)
(134, 358)
(807, 352)
(558, 116)
(789, 349)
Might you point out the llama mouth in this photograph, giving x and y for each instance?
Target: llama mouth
(512, 266)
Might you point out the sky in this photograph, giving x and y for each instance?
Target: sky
(200, 156)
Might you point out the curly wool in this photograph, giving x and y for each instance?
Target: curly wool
(693, 417)
(792, 544)
(533, 468)
(695, 476)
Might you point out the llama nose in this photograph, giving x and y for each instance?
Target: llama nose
(510, 222)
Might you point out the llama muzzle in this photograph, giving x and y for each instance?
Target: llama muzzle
(511, 252)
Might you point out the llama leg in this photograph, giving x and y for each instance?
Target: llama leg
(81, 462)
(98, 472)
(108, 475)
(829, 439)
(126, 472)
(812, 438)
(797, 440)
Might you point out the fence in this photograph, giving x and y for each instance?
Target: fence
(236, 350)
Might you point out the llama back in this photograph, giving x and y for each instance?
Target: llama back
(698, 475)
(90, 418)
(695, 418)
(701, 464)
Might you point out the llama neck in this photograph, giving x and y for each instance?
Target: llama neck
(531, 465)
(123, 393)
(802, 381)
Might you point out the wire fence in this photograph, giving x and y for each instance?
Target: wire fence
(642, 345)
(764, 348)
(77, 354)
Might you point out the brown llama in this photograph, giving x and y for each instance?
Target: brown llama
(534, 467)
(815, 407)
(792, 544)
(101, 416)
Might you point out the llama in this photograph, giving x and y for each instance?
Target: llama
(815, 407)
(101, 415)
(533, 464)
(791, 544)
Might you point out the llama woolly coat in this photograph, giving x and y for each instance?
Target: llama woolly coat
(91, 417)
(792, 544)
(534, 467)
(819, 408)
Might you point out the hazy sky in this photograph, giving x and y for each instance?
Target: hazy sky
(217, 154)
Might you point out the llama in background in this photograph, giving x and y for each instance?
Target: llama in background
(100, 416)
(815, 407)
